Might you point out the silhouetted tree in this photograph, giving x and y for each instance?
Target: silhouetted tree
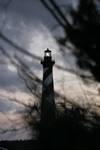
(82, 30)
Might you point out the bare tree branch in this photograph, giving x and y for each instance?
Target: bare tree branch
(18, 48)
(53, 13)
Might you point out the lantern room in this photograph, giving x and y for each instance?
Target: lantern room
(47, 53)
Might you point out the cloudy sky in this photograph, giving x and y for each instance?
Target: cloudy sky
(29, 25)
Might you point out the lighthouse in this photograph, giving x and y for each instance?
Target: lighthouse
(47, 102)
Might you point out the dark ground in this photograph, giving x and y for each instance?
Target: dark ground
(67, 132)
(19, 145)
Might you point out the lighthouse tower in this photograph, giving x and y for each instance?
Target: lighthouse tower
(47, 103)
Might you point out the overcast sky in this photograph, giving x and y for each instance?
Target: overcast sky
(29, 25)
